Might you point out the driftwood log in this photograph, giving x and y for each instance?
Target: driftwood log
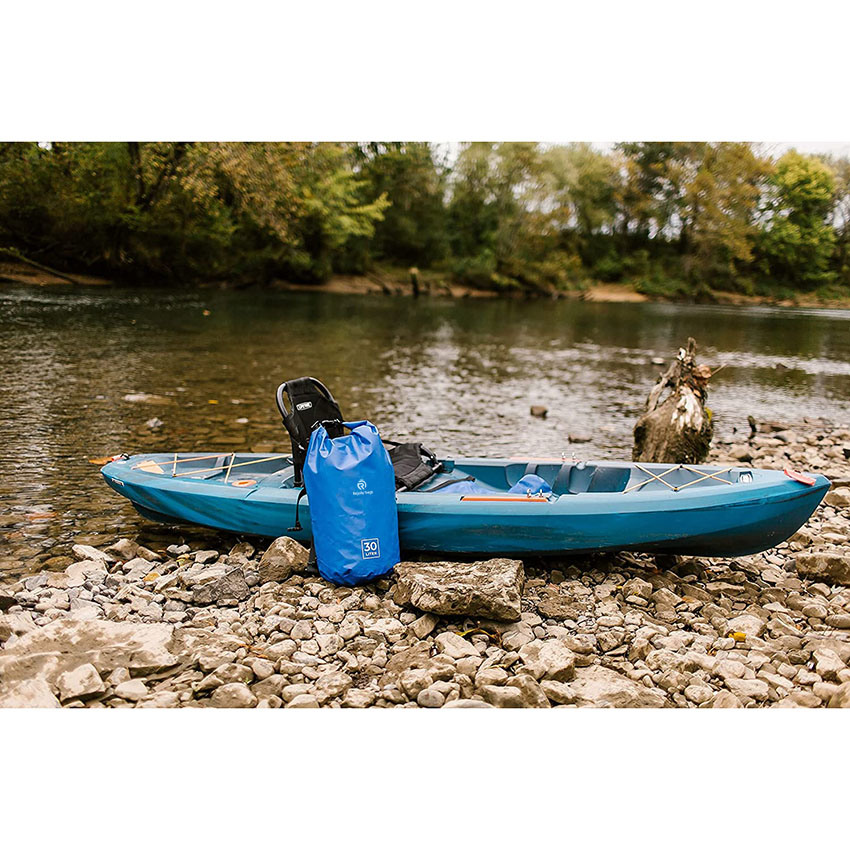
(676, 428)
(13, 254)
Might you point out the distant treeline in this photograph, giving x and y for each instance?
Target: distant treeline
(671, 218)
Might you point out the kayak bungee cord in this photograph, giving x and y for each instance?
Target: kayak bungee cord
(231, 455)
(232, 465)
(175, 462)
(701, 476)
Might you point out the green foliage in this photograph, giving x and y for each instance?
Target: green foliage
(414, 226)
(608, 268)
(185, 211)
(478, 271)
(797, 242)
(656, 286)
(673, 219)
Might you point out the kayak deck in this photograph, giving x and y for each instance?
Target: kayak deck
(593, 506)
(574, 477)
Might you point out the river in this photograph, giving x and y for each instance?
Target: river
(459, 375)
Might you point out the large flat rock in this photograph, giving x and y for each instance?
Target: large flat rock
(66, 644)
(35, 693)
(490, 589)
(832, 566)
(599, 687)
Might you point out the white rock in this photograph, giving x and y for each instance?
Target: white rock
(827, 664)
(756, 689)
(430, 698)
(728, 668)
(132, 690)
(35, 693)
(331, 685)
(386, 628)
(415, 680)
(89, 553)
(558, 692)
(749, 624)
(455, 646)
(233, 695)
(303, 701)
(637, 587)
(66, 644)
(698, 694)
(488, 589)
(548, 659)
(81, 682)
(424, 625)
(118, 675)
(601, 687)
(726, 699)
(284, 557)
(261, 667)
(358, 698)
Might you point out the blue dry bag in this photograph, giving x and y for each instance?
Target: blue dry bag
(351, 487)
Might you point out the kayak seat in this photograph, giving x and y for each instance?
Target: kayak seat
(576, 478)
(310, 403)
(580, 478)
(609, 479)
(413, 464)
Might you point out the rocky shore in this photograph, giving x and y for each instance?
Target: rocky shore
(125, 626)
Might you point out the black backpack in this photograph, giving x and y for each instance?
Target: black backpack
(310, 403)
(413, 464)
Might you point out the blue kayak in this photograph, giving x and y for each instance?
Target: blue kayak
(583, 507)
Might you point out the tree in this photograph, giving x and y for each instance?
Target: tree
(652, 193)
(722, 204)
(413, 180)
(185, 211)
(797, 240)
(840, 214)
(582, 183)
(473, 217)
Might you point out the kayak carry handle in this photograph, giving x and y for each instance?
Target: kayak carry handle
(808, 480)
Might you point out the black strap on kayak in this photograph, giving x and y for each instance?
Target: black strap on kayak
(413, 464)
(297, 526)
(310, 402)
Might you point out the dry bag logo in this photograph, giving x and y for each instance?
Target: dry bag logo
(361, 490)
(370, 547)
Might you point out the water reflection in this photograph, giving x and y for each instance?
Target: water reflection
(460, 375)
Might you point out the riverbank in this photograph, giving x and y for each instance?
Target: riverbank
(397, 282)
(124, 626)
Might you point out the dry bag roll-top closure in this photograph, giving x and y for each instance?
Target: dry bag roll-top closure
(351, 487)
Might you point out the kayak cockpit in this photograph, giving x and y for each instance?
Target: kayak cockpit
(578, 477)
(561, 477)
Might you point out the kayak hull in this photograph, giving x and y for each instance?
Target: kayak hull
(725, 513)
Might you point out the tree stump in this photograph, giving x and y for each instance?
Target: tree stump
(677, 428)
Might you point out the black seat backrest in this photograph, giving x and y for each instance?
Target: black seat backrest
(310, 403)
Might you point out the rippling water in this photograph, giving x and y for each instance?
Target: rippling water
(459, 375)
